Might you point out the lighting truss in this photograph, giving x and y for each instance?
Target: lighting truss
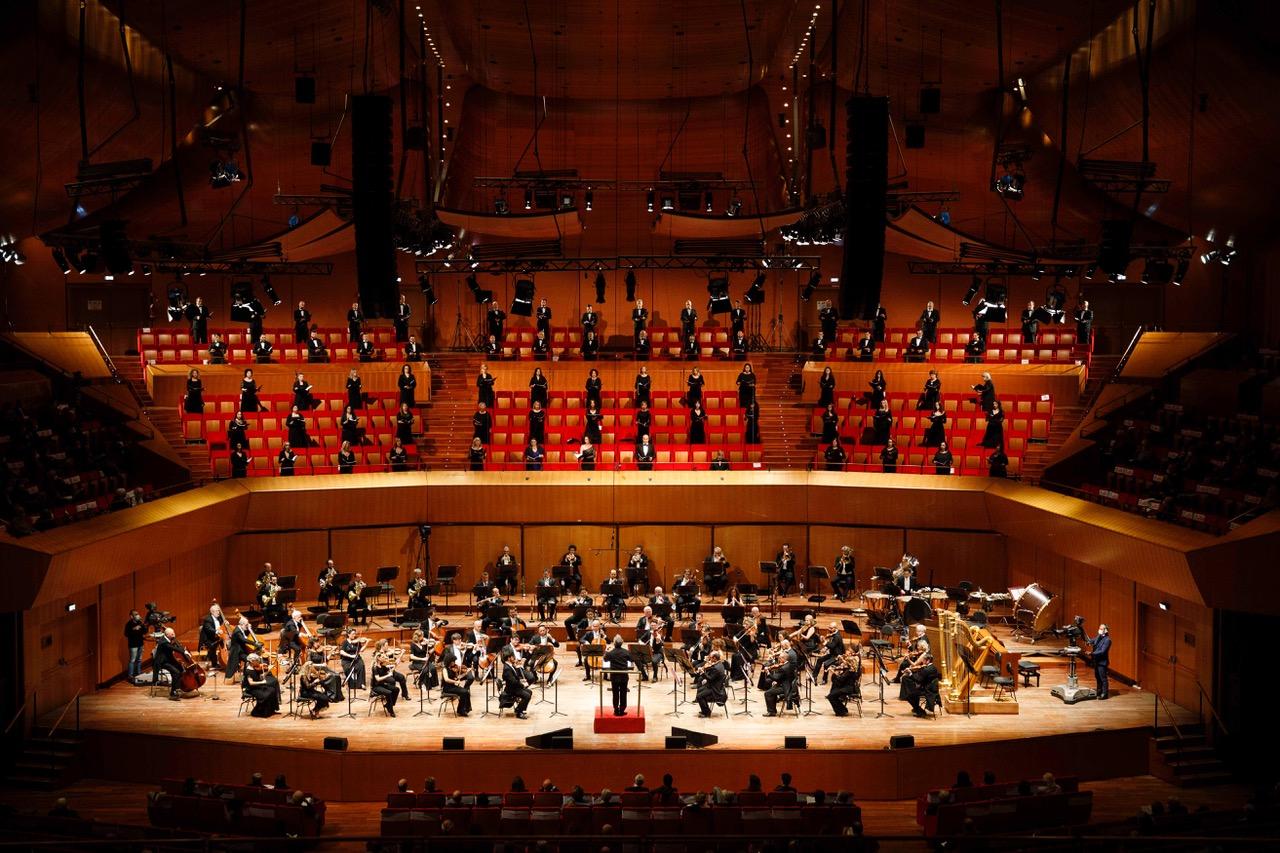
(497, 266)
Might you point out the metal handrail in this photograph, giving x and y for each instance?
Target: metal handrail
(118, 378)
(30, 697)
(1172, 722)
(1128, 351)
(65, 708)
(1205, 698)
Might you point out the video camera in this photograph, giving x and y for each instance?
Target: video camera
(1073, 632)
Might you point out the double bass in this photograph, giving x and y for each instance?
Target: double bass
(193, 675)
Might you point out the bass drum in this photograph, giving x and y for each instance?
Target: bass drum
(1036, 610)
(916, 609)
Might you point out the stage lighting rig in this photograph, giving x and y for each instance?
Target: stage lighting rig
(600, 286)
(630, 282)
(427, 288)
(815, 278)
(755, 293)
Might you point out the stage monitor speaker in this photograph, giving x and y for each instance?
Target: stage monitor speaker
(454, 743)
(867, 159)
(1113, 251)
(915, 136)
(543, 741)
(562, 742)
(335, 744)
(902, 742)
(695, 739)
(371, 202)
(676, 742)
(304, 90)
(795, 742)
(321, 154)
(930, 100)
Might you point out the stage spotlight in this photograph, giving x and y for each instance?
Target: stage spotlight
(223, 173)
(815, 278)
(710, 200)
(88, 262)
(1184, 265)
(668, 202)
(528, 199)
(270, 290)
(1211, 255)
(1020, 89)
(630, 282)
(146, 269)
(1157, 271)
(483, 297)
(427, 288)
(600, 284)
(60, 258)
(566, 201)
(735, 206)
(1037, 273)
(648, 201)
(522, 303)
(1089, 271)
(1225, 257)
(1011, 184)
(755, 293)
(588, 198)
(177, 304)
(718, 291)
(975, 284)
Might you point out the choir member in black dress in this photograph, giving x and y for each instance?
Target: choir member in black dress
(484, 386)
(248, 392)
(644, 348)
(866, 349)
(350, 426)
(830, 424)
(1084, 324)
(917, 348)
(355, 323)
(534, 455)
(297, 427)
(193, 402)
(695, 381)
(317, 352)
(302, 397)
(398, 456)
(592, 422)
(262, 686)
(286, 460)
(198, 314)
(751, 423)
(476, 454)
(998, 463)
(594, 389)
(688, 320)
(931, 394)
(889, 457)
(942, 460)
(645, 454)
(239, 462)
(786, 562)
(404, 424)
(986, 392)
(538, 387)
(697, 424)
(346, 459)
(413, 350)
(878, 387)
(482, 423)
(929, 319)
(834, 455)
(543, 317)
(301, 323)
(586, 455)
(355, 390)
(826, 387)
(262, 351)
(878, 323)
(639, 319)
(1030, 325)
(237, 428)
(746, 386)
(644, 420)
(881, 424)
(643, 387)
(217, 350)
(408, 384)
(993, 436)
(842, 580)
(590, 346)
(937, 431)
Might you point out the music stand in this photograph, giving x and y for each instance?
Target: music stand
(637, 577)
(561, 573)
(821, 573)
(733, 614)
(288, 581)
(594, 650)
(663, 611)
(555, 592)
(713, 571)
(769, 569)
(365, 594)
(446, 577)
(749, 593)
(385, 578)
(497, 614)
(507, 573)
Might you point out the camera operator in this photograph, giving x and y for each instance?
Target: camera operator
(1100, 653)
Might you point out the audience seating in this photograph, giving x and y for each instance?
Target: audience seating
(234, 809)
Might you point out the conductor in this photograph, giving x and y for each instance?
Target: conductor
(618, 661)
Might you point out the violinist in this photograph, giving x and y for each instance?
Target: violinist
(612, 590)
(807, 634)
(843, 582)
(421, 658)
(920, 685)
(688, 599)
(328, 583)
(384, 682)
(548, 593)
(242, 643)
(711, 684)
(213, 636)
(515, 693)
(357, 604)
(455, 678)
(573, 562)
(384, 649)
(576, 623)
(782, 676)
(352, 663)
(262, 686)
(167, 658)
(318, 658)
(507, 569)
(417, 591)
(649, 632)
(832, 649)
(846, 673)
(311, 687)
(917, 649)
(502, 623)
(593, 636)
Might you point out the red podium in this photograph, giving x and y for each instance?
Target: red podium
(607, 723)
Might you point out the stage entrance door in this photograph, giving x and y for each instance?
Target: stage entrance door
(1167, 655)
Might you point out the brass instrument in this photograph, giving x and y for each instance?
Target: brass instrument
(355, 590)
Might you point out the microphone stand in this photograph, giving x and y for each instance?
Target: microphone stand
(422, 712)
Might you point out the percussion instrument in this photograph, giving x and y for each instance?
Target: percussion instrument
(915, 608)
(875, 602)
(938, 599)
(1035, 609)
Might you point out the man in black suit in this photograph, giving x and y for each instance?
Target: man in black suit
(618, 661)
(316, 351)
(929, 319)
(514, 691)
(301, 323)
(844, 686)
(711, 689)
(165, 659)
(1030, 325)
(496, 320)
(737, 319)
(917, 347)
(198, 314)
(921, 687)
(413, 350)
(783, 681)
(401, 320)
(1101, 653)
(217, 350)
(355, 322)
(1084, 323)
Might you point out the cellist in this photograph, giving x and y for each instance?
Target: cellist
(168, 658)
(214, 632)
(294, 636)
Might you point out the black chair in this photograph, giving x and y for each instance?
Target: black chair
(1006, 683)
(1028, 671)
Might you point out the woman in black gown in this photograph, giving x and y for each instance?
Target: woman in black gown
(476, 454)
(942, 460)
(643, 386)
(697, 424)
(404, 424)
(311, 686)
(931, 394)
(644, 420)
(538, 387)
(695, 381)
(352, 663)
(484, 386)
(751, 435)
(595, 389)
(537, 422)
(193, 403)
(408, 384)
(355, 390)
(878, 387)
(248, 392)
(297, 426)
(881, 424)
(830, 424)
(262, 686)
(993, 437)
(350, 426)
(592, 422)
(746, 386)
(936, 434)
(302, 397)
(826, 387)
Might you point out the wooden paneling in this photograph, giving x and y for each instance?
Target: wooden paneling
(473, 548)
(897, 500)
(744, 497)
(365, 549)
(300, 554)
(115, 600)
(872, 546)
(334, 500)
(947, 558)
(747, 545)
(671, 548)
(60, 652)
(1117, 607)
(544, 545)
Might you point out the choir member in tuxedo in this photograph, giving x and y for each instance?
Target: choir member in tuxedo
(751, 427)
(937, 431)
(355, 323)
(548, 594)
(711, 684)
(644, 420)
(296, 425)
(249, 389)
(507, 568)
(786, 562)
(998, 463)
(482, 424)
(213, 628)
(931, 394)
(301, 323)
(349, 426)
(881, 424)
(830, 424)
(618, 663)
(398, 456)
(1084, 324)
(942, 460)
(404, 424)
(843, 581)
(413, 350)
(697, 424)
(738, 346)
(878, 387)
(645, 454)
(746, 386)
(688, 599)
(534, 456)
(193, 401)
(239, 462)
(538, 387)
(476, 455)
(737, 319)
(536, 422)
(541, 346)
(198, 314)
(639, 319)
(888, 457)
(832, 649)
(515, 692)
(993, 436)
(401, 319)
(613, 590)
(346, 459)
(492, 347)
(929, 319)
(286, 460)
(878, 323)
(260, 684)
(917, 348)
(355, 390)
(986, 392)
(866, 347)
(484, 387)
(643, 386)
(975, 349)
(317, 352)
(644, 347)
(826, 388)
(834, 456)
(688, 321)
(590, 346)
(408, 385)
(820, 345)
(302, 397)
(573, 562)
(365, 350)
(217, 350)
(695, 380)
(586, 455)
(543, 318)
(720, 462)
(588, 321)
(1030, 325)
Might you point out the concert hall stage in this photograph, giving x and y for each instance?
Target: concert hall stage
(129, 734)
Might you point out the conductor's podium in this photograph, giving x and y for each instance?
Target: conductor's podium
(607, 723)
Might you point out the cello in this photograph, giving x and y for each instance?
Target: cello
(193, 675)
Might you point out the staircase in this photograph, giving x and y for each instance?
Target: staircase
(1066, 418)
(166, 419)
(1185, 757)
(784, 418)
(446, 418)
(45, 763)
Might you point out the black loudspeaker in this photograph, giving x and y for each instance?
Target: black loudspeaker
(371, 200)
(695, 739)
(562, 742)
(867, 157)
(676, 742)
(795, 742)
(1113, 251)
(930, 100)
(915, 136)
(336, 744)
(544, 740)
(321, 154)
(304, 90)
(902, 742)
(454, 743)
